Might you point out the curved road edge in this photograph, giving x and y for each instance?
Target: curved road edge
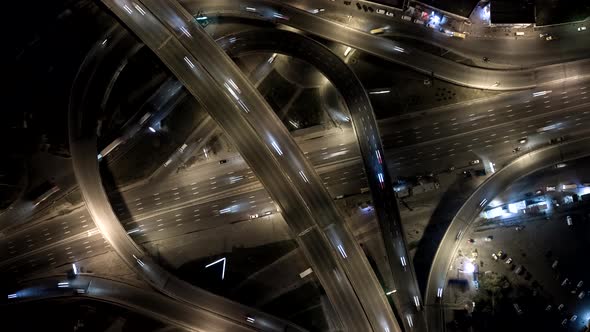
(490, 188)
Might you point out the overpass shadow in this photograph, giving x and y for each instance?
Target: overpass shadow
(448, 206)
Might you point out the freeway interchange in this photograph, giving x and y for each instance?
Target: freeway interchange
(276, 175)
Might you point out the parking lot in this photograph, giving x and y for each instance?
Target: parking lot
(535, 247)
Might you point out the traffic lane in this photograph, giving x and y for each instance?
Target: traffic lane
(58, 257)
(44, 233)
(166, 310)
(495, 113)
(420, 61)
(340, 181)
(512, 51)
(484, 143)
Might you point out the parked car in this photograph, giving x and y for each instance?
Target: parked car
(494, 256)
(554, 265)
(560, 307)
(565, 282)
(509, 260)
(517, 308)
(569, 220)
(548, 308)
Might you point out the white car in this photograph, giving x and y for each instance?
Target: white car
(581, 28)
(254, 216)
(380, 11)
(474, 162)
(569, 220)
(495, 257)
(509, 260)
(390, 14)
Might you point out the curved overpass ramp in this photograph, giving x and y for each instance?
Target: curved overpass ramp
(493, 186)
(85, 103)
(148, 303)
(428, 64)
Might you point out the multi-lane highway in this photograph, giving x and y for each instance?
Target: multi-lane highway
(397, 52)
(83, 110)
(487, 130)
(527, 51)
(259, 136)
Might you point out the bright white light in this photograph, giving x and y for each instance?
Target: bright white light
(63, 284)
(12, 296)
(222, 271)
(202, 18)
(244, 107)
(439, 292)
(250, 320)
(378, 156)
(541, 93)
(492, 169)
(234, 85)
(99, 157)
(277, 15)
(233, 93)
(139, 9)
(379, 92)
(391, 292)
(305, 273)
(251, 9)
(469, 267)
(417, 301)
(347, 51)
(483, 202)
(294, 124)
(303, 176)
(152, 129)
(515, 207)
(277, 148)
(399, 49)
(189, 62)
(135, 230)
(272, 58)
(185, 31)
(342, 252)
(380, 177)
(403, 261)
(409, 319)
(74, 268)
(128, 9)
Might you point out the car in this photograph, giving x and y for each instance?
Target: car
(474, 162)
(222, 161)
(390, 14)
(519, 269)
(500, 254)
(488, 238)
(569, 220)
(509, 260)
(548, 308)
(380, 11)
(580, 284)
(564, 322)
(554, 265)
(560, 307)
(516, 149)
(581, 295)
(565, 282)
(522, 140)
(581, 28)
(549, 38)
(254, 216)
(495, 257)
(267, 213)
(574, 317)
